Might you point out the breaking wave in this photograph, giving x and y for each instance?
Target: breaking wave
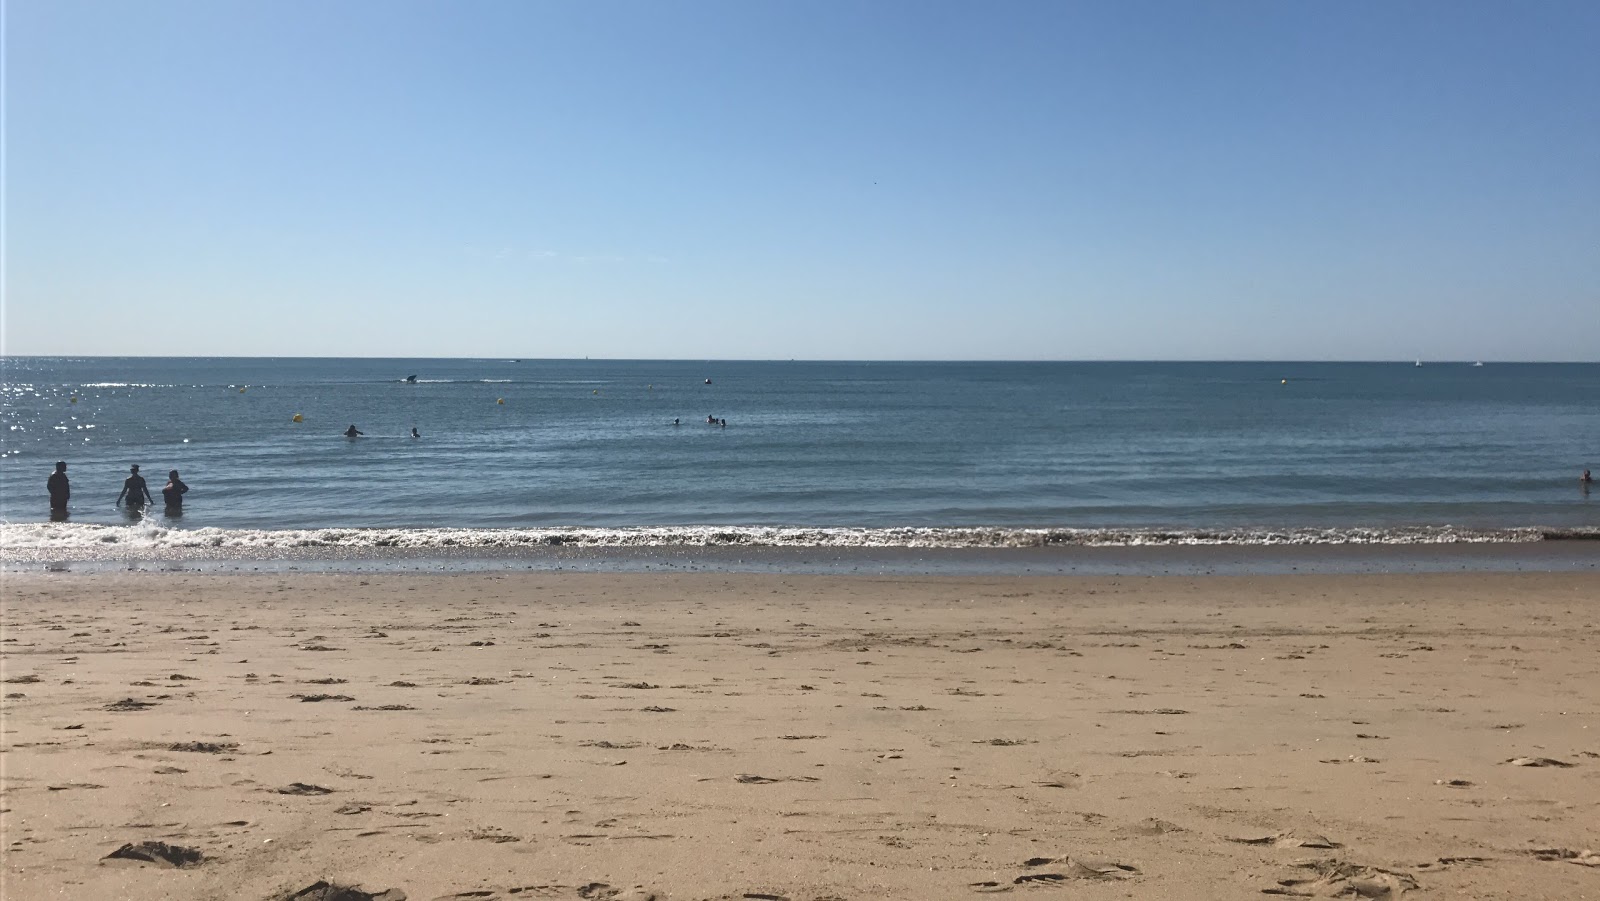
(29, 539)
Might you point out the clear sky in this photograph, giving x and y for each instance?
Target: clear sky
(891, 179)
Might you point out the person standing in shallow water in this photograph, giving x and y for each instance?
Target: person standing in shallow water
(172, 493)
(135, 490)
(60, 490)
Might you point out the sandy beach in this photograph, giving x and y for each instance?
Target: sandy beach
(614, 736)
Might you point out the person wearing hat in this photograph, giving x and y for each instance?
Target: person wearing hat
(135, 490)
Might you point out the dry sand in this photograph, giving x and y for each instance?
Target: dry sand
(738, 736)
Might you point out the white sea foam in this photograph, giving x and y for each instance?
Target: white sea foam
(29, 539)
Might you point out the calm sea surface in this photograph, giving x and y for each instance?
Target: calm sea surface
(1121, 446)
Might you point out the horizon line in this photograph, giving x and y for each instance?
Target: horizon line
(510, 359)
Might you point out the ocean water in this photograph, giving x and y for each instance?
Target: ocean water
(526, 452)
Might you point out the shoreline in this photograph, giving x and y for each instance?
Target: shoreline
(1521, 556)
(727, 735)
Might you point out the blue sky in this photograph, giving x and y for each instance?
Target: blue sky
(869, 180)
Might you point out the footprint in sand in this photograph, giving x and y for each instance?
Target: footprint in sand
(129, 704)
(158, 853)
(333, 891)
(752, 779)
(1069, 868)
(1159, 711)
(1539, 761)
(1585, 858)
(1290, 840)
(599, 891)
(205, 747)
(1153, 826)
(1333, 878)
(303, 788)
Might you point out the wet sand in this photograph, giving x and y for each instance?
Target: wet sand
(626, 736)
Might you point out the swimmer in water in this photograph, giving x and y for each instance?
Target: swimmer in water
(675, 422)
(135, 490)
(61, 489)
(173, 493)
(353, 432)
(415, 433)
(1585, 478)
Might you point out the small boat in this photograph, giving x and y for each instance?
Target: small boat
(1419, 362)
(1477, 364)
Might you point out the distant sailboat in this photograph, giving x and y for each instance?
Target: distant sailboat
(1419, 362)
(1479, 363)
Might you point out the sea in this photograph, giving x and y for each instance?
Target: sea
(522, 454)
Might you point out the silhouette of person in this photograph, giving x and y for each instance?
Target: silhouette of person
(353, 432)
(415, 433)
(135, 490)
(173, 493)
(60, 489)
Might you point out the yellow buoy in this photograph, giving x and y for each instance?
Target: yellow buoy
(595, 391)
(1286, 381)
(241, 390)
(299, 418)
(74, 398)
(500, 400)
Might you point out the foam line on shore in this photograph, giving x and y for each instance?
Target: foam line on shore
(93, 539)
